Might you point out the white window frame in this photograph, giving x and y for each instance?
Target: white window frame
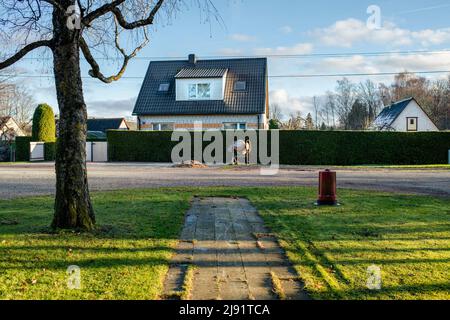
(197, 96)
(160, 124)
(238, 125)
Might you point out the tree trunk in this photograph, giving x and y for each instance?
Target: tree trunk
(73, 208)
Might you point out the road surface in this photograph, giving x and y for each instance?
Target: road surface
(20, 180)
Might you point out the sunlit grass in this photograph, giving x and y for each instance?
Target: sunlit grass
(331, 247)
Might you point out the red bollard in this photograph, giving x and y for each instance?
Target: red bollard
(327, 188)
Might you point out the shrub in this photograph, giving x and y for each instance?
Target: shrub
(306, 147)
(23, 148)
(50, 151)
(44, 128)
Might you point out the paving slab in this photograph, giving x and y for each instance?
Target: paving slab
(233, 254)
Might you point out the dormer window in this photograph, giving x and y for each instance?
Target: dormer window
(199, 91)
(240, 86)
(164, 87)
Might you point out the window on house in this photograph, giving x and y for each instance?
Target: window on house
(199, 91)
(164, 87)
(240, 86)
(235, 126)
(412, 124)
(163, 126)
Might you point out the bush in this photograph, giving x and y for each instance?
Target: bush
(363, 148)
(140, 146)
(44, 129)
(50, 151)
(305, 147)
(23, 148)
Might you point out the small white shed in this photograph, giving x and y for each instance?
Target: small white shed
(404, 116)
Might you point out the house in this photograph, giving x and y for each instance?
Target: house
(103, 125)
(9, 129)
(404, 116)
(221, 94)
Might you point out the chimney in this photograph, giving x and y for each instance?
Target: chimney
(192, 59)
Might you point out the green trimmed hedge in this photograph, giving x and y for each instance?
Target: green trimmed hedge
(50, 151)
(305, 147)
(363, 148)
(44, 127)
(23, 148)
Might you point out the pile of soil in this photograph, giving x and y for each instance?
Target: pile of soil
(191, 164)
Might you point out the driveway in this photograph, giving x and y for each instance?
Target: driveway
(21, 180)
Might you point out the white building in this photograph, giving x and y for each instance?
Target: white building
(404, 116)
(9, 129)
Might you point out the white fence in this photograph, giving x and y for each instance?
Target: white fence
(97, 151)
(37, 151)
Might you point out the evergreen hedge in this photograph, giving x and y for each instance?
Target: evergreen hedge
(305, 147)
(44, 128)
(23, 148)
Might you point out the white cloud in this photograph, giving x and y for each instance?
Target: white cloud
(230, 52)
(242, 37)
(287, 29)
(111, 108)
(300, 48)
(345, 33)
(390, 63)
(290, 104)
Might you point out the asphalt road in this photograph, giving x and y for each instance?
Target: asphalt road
(21, 180)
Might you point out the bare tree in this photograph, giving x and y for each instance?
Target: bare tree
(344, 98)
(295, 122)
(16, 101)
(68, 28)
(276, 113)
(369, 96)
(316, 105)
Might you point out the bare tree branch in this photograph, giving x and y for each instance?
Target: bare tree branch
(55, 4)
(104, 9)
(95, 71)
(24, 51)
(138, 23)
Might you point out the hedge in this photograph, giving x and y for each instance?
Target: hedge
(44, 127)
(305, 147)
(50, 151)
(23, 148)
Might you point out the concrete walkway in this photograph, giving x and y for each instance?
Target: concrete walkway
(234, 256)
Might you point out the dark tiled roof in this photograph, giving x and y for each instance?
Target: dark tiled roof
(252, 101)
(389, 114)
(192, 73)
(104, 124)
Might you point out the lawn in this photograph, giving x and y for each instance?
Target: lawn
(331, 247)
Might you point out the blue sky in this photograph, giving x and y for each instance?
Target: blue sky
(263, 27)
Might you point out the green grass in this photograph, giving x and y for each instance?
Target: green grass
(331, 247)
(126, 259)
(406, 167)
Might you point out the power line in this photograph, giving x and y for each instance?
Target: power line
(279, 56)
(331, 75)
